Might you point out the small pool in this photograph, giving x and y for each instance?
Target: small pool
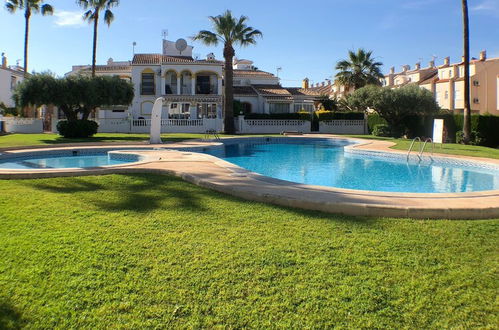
(65, 161)
(326, 163)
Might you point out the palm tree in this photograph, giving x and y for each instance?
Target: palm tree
(230, 31)
(359, 70)
(94, 8)
(29, 7)
(466, 44)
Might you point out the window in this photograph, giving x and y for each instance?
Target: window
(476, 100)
(13, 82)
(147, 85)
(279, 107)
(450, 73)
(457, 95)
(446, 95)
(309, 107)
(476, 83)
(207, 110)
(437, 95)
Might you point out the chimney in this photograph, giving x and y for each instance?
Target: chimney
(417, 66)
(462, 58)
(431, 64)
(329, 82)
(392, 70)
(447, 61)
(323, 84)
(405, 68)
(483, 55)
(4, 61)
(305, 83)
(110, 61)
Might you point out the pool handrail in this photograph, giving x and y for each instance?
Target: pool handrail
(417, 138)
(424, 146)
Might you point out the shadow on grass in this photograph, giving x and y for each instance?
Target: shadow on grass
(142, 193)
(138, 193)
(103, 139)
(10, 318)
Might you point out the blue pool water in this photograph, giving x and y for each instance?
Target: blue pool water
(81, 161)
(325, 163)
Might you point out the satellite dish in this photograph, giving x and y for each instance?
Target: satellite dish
(181, 45)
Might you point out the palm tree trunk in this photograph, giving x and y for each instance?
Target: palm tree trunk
(94, 53)
(27, 15)
(229, 91)
(467, 108)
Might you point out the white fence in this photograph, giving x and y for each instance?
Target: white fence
(342, 127)
(22, 125)
(271, 126)
(167, 125)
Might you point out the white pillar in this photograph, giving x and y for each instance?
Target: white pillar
(219, 80)
(193, 111)
(193, 85)
(178, 85)
(155, 135)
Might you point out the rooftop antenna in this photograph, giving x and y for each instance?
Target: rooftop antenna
(434, 57)
(133, 45)
(164, 34)
(279, 69)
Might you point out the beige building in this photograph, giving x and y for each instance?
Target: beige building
(446, 82)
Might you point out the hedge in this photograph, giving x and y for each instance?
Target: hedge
(486, 126)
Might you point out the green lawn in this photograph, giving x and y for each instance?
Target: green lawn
(151, 251)
(447, 148)
(21, 140)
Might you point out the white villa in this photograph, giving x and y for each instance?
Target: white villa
(193, 88)
(10, 77)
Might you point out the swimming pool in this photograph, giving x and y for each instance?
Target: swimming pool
(327, 163)
(73, 159)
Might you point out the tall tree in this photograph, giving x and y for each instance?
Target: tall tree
(93, 11)
(359, 70)
(29, 7)
(230, 31)
(466, 46)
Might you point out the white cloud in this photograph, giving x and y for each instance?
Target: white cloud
(68, 18)
(487, 7)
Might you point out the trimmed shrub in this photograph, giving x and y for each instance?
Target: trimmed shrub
(77, 129)
(373, 120)
(294, 115)
(476, 139)
(382, 130)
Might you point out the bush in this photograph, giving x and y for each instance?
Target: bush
(373, 120)
(294, 115)
(77, 129)
(382, 130)
(331, 115)
(476, 138)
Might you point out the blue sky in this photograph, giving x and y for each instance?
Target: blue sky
(305, 38)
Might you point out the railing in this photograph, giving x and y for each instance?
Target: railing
(412, 145)
(422, 148)
(343, 122)
(169, 122)
(274, 122)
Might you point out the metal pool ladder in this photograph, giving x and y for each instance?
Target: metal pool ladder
(423, 146)
(211, 132)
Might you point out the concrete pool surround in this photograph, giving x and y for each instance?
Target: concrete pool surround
(182, 160)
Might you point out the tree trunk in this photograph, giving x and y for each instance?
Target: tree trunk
(94, 53)
(27, 15)
(467, 108)
(229, 90)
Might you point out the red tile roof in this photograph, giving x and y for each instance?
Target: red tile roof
(253, 73)
(244, 90)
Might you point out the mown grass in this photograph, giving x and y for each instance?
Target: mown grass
(150, 251)
(446, 148)
(22, 140)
